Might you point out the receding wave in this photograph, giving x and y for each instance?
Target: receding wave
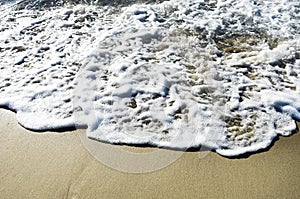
(176, 74)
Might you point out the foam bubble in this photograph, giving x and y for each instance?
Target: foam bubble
(176, 74)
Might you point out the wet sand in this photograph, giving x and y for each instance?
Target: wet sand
(57, 165)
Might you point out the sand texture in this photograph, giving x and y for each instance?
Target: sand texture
(57, 165)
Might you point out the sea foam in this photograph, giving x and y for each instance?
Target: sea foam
(176, 74)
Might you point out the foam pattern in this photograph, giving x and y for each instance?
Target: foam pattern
(176, 74)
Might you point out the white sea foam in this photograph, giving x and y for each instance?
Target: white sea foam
(178, 74)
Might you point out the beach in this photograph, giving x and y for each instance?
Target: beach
(57, 165)
(148, 80)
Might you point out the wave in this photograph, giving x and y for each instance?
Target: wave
(175, 74)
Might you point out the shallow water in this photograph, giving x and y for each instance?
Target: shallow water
(178, 74)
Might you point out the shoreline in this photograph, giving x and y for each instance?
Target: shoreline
(57, 165)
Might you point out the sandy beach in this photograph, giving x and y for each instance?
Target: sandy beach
(57, 165)
(170, 73)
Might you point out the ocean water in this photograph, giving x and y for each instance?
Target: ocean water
(176, 74)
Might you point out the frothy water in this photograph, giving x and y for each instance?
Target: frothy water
(176, 74)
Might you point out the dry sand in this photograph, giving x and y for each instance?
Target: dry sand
(57, 165)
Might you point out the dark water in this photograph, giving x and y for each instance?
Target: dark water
(45, 4)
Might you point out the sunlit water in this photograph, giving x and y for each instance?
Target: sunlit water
(176, 74)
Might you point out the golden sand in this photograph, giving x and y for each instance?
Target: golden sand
(57, 165)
